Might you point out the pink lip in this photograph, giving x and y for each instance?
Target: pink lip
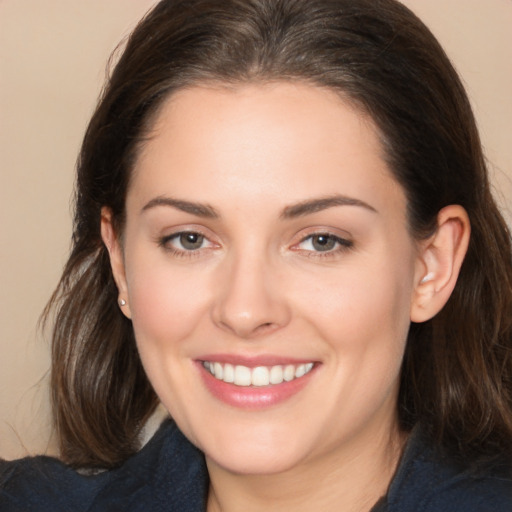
(252, 361)
(252, 398)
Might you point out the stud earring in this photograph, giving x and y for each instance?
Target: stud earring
(427, 278)
(122, 302)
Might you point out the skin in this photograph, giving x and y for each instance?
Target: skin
(258, 285)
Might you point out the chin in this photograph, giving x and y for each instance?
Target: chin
(254, 461)
(256, 451)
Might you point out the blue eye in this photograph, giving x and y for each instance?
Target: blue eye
(324, 242)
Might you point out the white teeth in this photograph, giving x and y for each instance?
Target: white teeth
(300, 371)
(218, 370)
(229, 373)
(260, 376)
(289, 372)
(242, 376)
(276, 375)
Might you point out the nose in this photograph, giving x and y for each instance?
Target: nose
(250, 299)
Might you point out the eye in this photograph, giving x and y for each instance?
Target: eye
(190, 241)
(185, 241)
(324, 242)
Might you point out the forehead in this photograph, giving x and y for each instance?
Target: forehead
(280, 139)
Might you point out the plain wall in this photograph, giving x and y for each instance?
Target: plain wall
(53, 57)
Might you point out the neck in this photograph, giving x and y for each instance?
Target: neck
(351, 478)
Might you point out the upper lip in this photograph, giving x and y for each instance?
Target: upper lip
(254, 361)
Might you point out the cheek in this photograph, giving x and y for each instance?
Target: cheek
(167, 306)
(353, 303)
(363, 313)
(165, 303)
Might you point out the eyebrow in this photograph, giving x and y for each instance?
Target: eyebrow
(198, 209)
(317, 205)
(290, 212)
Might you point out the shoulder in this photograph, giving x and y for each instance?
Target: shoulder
(168, 469)
(428, 482)
(472, 494)
(44, 484)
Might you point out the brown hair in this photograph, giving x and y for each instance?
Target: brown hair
(457, 373)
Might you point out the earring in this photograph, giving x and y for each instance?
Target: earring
(427, 278)
(122, 302)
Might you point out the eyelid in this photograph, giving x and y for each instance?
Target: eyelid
(343, 239)
(164, 239)
(170, 231)
(177, 235)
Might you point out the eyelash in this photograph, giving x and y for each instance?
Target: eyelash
(340, 245)
(165, 243)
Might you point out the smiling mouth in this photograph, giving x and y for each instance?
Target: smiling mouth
(259, 376)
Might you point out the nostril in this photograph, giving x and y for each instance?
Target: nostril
(265, 327)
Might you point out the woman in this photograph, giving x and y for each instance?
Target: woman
(284, 231)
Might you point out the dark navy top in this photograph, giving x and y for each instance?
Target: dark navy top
(169, 475)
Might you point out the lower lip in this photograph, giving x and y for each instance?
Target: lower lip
(253, 397)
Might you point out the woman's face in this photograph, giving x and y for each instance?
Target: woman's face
(266, 242)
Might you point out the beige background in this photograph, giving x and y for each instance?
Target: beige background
(52, 64)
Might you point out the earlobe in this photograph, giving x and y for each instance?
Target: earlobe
(111, 241)
(439, 263)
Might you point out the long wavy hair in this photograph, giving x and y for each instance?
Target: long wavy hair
(456, 379)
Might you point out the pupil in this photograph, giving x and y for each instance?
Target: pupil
(323, 242)
(191, 240)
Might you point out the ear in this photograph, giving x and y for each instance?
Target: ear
(439, 263)
(115, 251)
